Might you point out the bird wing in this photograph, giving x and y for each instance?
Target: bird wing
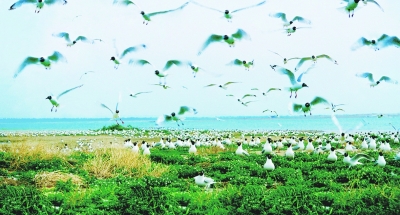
(275, 53)
(132, 49)
(336, 122)
(270, 89)
(172, 62)
(104, 106)
(212, 38)
(357, 157)
(302, 60)
(141, 93)
(287, 72)
(210, 85)
(230, 82)
(325, 56)
(124, 2)
(68, 91)
(387, 79)
(305, 72)
(389, 41)
(64, 35)
(50, 2)
(372, 1)
(206, 7)
(248, 95)
(265, 110)
(279, 15)
(84, 39)
(21, 2)
(297, 107)
(237, 10)
(139, 62)
(366, 75)
(319, 100)
(26, 62)
(236, 62)
(254, 89)
(184, 109)
(360, 42)
(301, 19)
(240, 34)
(85, 74)
(56, 56)
(167, 11)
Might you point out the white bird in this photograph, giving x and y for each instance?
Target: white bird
(287, 23)
(267, 148)
(332, 155)
(374, 83)
(146, 150)
(295, 85)
(135, 148)
(240, 151)
(118, 57)
(289, 152)
(354, 160)
(176, 117)
(115, 115)
(192, 149)
(381, 160)
(55, 102)
(203, 181)
(268, 164)
(397, 156)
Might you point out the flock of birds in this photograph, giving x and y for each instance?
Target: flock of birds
(295, 79)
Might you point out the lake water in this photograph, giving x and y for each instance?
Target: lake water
(322, 123)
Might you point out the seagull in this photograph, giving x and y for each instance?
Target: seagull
(354, 161)
(70, 43)
(46, 62)
(272, 111)
(116, 59)
(248, 102)
(288, 23)
(54, 101)
(224, 86)
(381, 160)
(85, 74)
(136, 94)
(192, 149)
(230, 40)
(292, 30)
(115, 115)
(397, 156)
(176, 117)
(382, 42)
(307, 106)
(352, 5)
(289, 152)
(244, 63)
(249, 95)
(334, 107)
(203, 181)
(314, 59)
(295, 85)
(271, 89)
(146, 150)
(374, 83)
(332, 155)
(227, 13)
(39, 3)
(268, 164)
(158, 73)
(285, 60)
(240, 151)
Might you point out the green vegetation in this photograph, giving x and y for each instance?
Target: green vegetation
(114, 180)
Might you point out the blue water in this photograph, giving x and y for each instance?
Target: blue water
(321, 123)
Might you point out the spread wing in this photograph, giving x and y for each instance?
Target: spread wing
(270, 89)
(301, 19)
(172, 62)
(26, 62)
(123, 2)
(132, 49)
(300, 63)
(104, 106)
(230, 82)
(360, 42)
(167, 11)
(20, 3)
(67, 91)
(326, 56)
(212, 38)
(56, 56)
(64, 35)
(287, 72)
(139, 62)
(210, 85)
(184, 109)
(236, 62)
(206, 7)
(387, 79)
(305, 72)
(240, 34)
(297, 107)
(366, 75)
(84, 39)
(248, 95)
(50, 2)
(279, 15)
(319, 100)
(240, 9)
(361, 156)
(372, 1)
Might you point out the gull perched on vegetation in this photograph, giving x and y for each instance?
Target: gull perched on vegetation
(295, 85)
(39, 3)
(46, 62)
(227, 13)
(176, 117)
(307, 106)
(203, 181)
(268, 163)
(240, 151)
(54, 101)
(354, 160)
(374, 83)
(287, 23)
(230, 40)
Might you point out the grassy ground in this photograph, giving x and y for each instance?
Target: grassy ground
(37, 177)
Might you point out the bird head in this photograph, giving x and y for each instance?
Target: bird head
(226, 37)
(307, 104)
(134, 143)
(332, 149)
(304, 85)
(380, 153)
(48, 97)
(269, 156)
(239, 143)
(173, 114)
(345, 154)
(131, 94)
(41, 59)
(238, 100)
(116, 111)
(40, 1)
(226, 11)
(192, 142)
(342, 134)
(220, 86)
(313, 57)
(194, 111)
(378, 82)
(356, 1)
(244, 62)
(291, 22)
(112, 58)
(294, 28)
(373, 41)
(192, 67)
(73, 42)
(264, 94)
(142, 12)
(157, 72)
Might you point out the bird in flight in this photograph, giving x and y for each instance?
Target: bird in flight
(70, 43)
(230, 40)
(308, 105)
(374, 83)
(46, 62)
(39, 3)
(287, 23)
(118, 57)
(382, 42)
(55, 101)
(177, 117)
(296, 86)
(223, 86)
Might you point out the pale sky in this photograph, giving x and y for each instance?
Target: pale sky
(179, 35)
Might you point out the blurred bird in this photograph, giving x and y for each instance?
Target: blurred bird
(86, 73)
(307, 106)
(271, 89)
(334, 107)
(353, 4)
(136, 94)
(203, 181)
(295, 85)
(382, 42)
(46, 62)
(244, 63)
(230, 40)
(381, 160)
(374, 83)
(115, 115)
(39, 3)
(314, 59)
(272, 111)
(287, 23)
(54, 101)
(161, 74)
(176, 117)
(118, 57)
(240, 151)
(70, 43)
(224, 86)
(268, 163)
(354, 160)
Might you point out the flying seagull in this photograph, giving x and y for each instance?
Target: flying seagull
(287, 23)
(374, 83)
(136, 94)
(54, 101)
(176, 117)
(292, 30)
(285, 60)
(230, 40)
(353, 4)
(227, 13)
(163, 86)
(46, 62)
(271, 111)
(295, 85)
(382, 42)
(314, 59)
(161, 74)
(271, 89)
(39, 3)
(308, 105)
(244, 63)
(86, 73)
(224, 86)
(70, 43)
(115, 115)
(334, 107)
(118, 57)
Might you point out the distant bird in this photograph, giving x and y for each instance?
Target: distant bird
(292, 30)
(176, 117)
(195, 68)
(192, 149)
(86, 73)
(334, 107)
(118, 56)
(136, 94)
(203, 181)
(247, 102)
(308, 105)
(374, 83)
(240, 151)
(230, 40)
(227, 13)
(244, 63)
(271, 89)
(163, 86)
(249, 95)
(314, 59)
(115, 115)
(382, 42)
(161, 74)
(54, 101)
(70, 43)
(287, 23)
(289, 152)
(46, 62)
(39, 3)
(285, 60)
(268, 163)
(353, 4)
(295, 85)
(354, 160)
(224, 86)
(381, 160)
(272, 111)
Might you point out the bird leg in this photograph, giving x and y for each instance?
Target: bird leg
(117, 122)
(295, 93)
(121, 121)
(290, 94)
(52, 109)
